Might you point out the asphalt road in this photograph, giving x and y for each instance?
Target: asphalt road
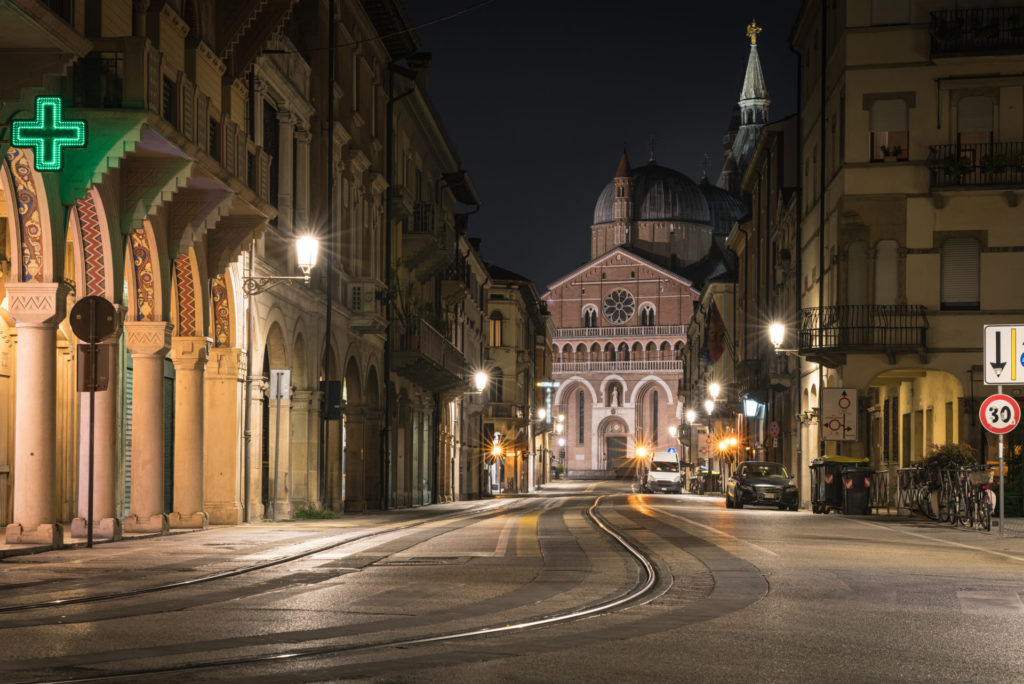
(494, 591)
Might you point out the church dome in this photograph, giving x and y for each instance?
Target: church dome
(725, 207)
(659, 194)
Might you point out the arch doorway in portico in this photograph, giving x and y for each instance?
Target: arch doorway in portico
(614, 445)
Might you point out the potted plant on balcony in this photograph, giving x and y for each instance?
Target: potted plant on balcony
(956, 166)
(891, 153)
(994, 163)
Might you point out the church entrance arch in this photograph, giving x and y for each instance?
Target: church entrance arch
(613, 436)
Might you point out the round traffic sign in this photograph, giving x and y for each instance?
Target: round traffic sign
(93, 319)
(999, 414)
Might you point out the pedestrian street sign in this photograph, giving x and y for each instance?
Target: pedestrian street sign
(839, 414)
(1004, 355)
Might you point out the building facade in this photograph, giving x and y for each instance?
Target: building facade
(215, 139)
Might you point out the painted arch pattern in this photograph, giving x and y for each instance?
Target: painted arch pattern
(221, 312)
(29, 215)
(142, 260)
(186, 295)
(91, 231)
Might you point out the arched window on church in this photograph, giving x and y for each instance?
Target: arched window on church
(646, 315)
(623, 353)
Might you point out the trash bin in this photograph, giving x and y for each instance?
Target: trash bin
(827, 482)
(857, 490)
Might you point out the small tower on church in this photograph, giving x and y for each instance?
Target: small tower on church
(623, 190)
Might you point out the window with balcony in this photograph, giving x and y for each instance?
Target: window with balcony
(887, 282)
(961, 274)
(890, 138)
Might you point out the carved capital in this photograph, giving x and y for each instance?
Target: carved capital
(37, 303)
(190, 353)
(147, 338)
(225, 364)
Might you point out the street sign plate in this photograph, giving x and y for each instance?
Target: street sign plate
(280, 383)
(672, 450)
(93, 319)
(1004, 355)
(999, 414)
(839, 414)
(773, 429)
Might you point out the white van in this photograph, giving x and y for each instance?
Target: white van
(664, 474)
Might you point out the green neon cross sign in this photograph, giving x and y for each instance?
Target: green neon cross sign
(49, 134)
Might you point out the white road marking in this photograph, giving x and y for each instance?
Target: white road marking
(942, 541)
(990, 603)
(716, 531)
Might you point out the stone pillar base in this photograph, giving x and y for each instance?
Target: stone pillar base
(154, 523)
(47, 534)
(224, 514)
(107, 528)
(192, 521)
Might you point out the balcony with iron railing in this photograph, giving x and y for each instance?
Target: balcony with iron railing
(827, 333)
(428, 239)
(426, 357)
(991, 164)
(622, 331)
(977, 31)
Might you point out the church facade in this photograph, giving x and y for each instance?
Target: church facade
(621, 318)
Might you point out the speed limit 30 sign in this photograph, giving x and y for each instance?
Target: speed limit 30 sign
(999, 414)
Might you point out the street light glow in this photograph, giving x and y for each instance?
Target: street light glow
(306, 249)
(691, 416)
(714, 389)
(480, 379)
(709, 406)
(776, 333)
(641, 451)
(542, 413)
(672, 430)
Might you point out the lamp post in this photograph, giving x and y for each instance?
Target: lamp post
(306, 249)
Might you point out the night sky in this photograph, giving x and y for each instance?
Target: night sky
(539, 98)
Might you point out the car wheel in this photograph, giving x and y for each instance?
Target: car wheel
(737, 503)
(794, 507)
(783, 507)
(728, 501)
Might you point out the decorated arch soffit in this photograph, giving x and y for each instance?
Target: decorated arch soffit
(645, 382)
(145, 270)
(32, 232)
(615, 425)
(187, 291)
(221, 300)
(94, 269)
(569, 384)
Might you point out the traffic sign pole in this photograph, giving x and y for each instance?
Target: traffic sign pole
(1002, 479)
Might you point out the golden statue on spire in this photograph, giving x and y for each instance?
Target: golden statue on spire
(752, 30)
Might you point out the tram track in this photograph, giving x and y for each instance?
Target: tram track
(236, 572)
(647, 581)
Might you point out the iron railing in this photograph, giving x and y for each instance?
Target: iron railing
(623, 331)
(967, 31)
(977, 164)
(866, 327)
(604, 366)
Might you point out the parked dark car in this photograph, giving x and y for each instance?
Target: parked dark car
(762, 483)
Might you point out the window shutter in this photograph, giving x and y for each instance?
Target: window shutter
(974, 114)
(960, 273)
(888, 115)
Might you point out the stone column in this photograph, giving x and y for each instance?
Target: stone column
(301, 166)
(285, 127)
(280, 488)
(105, 521)
(302, 495)
(313, 448)
(189, 355)
(255, 474)
(37, 308)
(147, 342)
(222, 436)
(355, 476)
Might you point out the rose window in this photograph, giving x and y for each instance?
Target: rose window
(619, 306)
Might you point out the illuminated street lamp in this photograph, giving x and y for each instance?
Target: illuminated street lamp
(709, 406)
(672, 430)
(777, 335)
(480, 380)
(691, 416)
(714, 389)
(306, 249)
(541, 413)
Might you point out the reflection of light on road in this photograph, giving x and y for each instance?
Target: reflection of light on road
(728, 522)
